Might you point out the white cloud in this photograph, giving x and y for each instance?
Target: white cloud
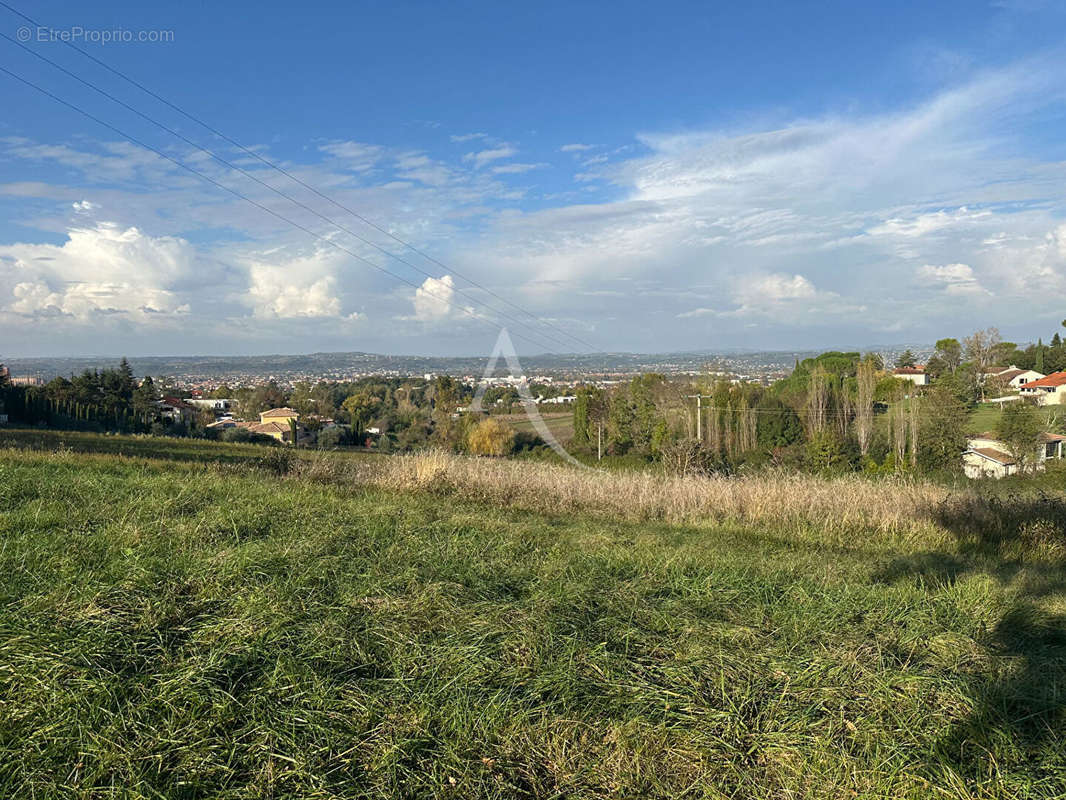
(575, 148)
(697, 312)
(956, 279)
(483, 157)
(100, 270)
(516, 169)
(356, 156)
(924, 224)
(468, 137)
(774, 288)
(84, 206)
(285, 286)
(434, 299)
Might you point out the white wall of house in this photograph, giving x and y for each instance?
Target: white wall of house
(1045, 395)
(974, 465)
(1029, 375)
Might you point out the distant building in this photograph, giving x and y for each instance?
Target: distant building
(275, 424)
(562, 399)
(279, 415)
(26, 380)
(210, 403)
(916, 374)
(175, 409)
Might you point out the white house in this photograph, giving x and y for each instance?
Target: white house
(916, 374)
(211, 403)
(1014, 377)
(987, 457)
(1048, 391)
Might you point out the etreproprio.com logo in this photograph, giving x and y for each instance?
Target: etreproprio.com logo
(77, 34)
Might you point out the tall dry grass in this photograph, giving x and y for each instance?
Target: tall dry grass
(838, 504)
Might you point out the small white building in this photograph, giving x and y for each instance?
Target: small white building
(987, 457)
(213, 404)
(916, 374)
(1048, 391)
(556, 401)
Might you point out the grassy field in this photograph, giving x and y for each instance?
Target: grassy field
(156, 447)
(985, 417)
(206, 627)
(561, 424)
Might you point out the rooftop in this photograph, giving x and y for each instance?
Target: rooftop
(993, 455)
(280, 412)
(1052, 381)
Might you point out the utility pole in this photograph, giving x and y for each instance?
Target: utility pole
(699, 416)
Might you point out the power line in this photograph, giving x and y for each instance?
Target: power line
(247, 199)
(299, 181)
(282, 194)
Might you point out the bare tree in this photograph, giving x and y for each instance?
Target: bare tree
(912, 427)
(866, 380)
(817, 410)
(979, 349)
(897, 428)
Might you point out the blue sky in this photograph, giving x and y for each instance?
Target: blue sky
(646, 178)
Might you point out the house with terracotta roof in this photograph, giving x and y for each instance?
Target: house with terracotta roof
(916, 374)
(176, 409)
(279, 415)
(1047, 391)
(276, 424)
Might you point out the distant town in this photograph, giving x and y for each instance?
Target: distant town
(208, 372)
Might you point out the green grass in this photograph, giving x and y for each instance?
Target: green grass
(155, 447)
(561, 425)
(985, 417)
(180, 629)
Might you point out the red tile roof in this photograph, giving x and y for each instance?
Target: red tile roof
(1050, 382)
(909, 370)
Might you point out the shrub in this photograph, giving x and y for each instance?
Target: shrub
(332, 437)
(490, 437)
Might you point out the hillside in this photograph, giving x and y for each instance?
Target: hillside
(220, 623)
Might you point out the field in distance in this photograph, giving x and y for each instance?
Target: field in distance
(214, 623)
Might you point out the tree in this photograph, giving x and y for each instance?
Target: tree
(445, 404)
(825, 451)
(905, 359)
(1038, 365)
(331, 437)
(1019, 427)
(1004, 353)
(943, 437)
(490, 437)
(361, 408)
(866, 385)
(876, 360)
(979, 349)
(144, 396)
(950, 352)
